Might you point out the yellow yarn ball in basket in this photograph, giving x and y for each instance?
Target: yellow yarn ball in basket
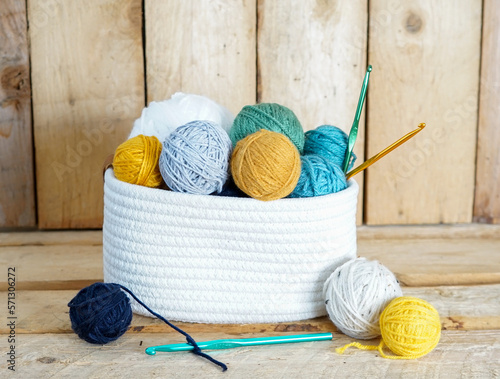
(410, 328)
(266, 165)
(136, 161)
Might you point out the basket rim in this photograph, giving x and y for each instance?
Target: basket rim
(148, 192)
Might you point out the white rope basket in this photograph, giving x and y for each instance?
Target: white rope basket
(217, 259)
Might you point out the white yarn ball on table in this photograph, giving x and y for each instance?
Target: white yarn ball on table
(161, 118)
(355, 295)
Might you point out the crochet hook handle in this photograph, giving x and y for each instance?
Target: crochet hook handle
(353, 134)
(231, 343)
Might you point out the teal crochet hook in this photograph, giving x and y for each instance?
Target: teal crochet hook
(353, 134)
(231, 343)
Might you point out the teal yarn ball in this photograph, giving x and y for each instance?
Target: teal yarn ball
(330, 142)
(319, 176)
(269, 116)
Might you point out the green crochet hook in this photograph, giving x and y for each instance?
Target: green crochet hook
(353, 134)
(231, 343)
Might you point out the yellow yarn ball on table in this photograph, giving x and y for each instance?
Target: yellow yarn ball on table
(410, 328)
(136, 161)
(266, 165)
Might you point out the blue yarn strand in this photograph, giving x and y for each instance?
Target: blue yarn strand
(189, 339)
(101, 313)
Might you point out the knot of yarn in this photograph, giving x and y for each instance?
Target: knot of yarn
(270, 116)
(198, 351)
(330, 142)
(266, 165)
(136, 161)
(356, 294)
(195, 158)
(319, 176)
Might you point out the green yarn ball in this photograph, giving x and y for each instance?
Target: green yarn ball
(269, 116)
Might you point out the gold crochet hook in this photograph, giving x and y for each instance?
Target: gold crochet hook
(384, 152)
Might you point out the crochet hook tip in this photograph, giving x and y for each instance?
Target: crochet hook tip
(150, 351)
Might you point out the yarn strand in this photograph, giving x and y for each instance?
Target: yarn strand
(340, 350)
(189, 339)
(380, 348)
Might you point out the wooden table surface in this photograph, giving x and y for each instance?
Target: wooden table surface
(455, 268)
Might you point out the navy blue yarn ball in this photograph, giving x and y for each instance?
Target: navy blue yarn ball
(230, 189)
(100, 313)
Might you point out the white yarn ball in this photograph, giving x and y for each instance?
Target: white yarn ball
(161, 118)
(356, 294)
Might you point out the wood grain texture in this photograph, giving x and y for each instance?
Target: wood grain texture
(419, 256)
(53, 267)
(47, 238)
(48, 312)
(201, 47)
(420, 262)
(426, 66)
(443, 232)
(17, 196)
(475, 354)
(487, 196)
(46, 347)
(88, 87)
(312, 59)
(460, 308)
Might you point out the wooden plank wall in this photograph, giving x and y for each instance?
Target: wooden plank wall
(88, 87)
(312, 59)
(91, 78)
(426, 57)
(201, 47)
(17, 196)
(487, 199)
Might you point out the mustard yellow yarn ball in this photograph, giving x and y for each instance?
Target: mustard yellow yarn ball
(410, 327)
(266, 165)
(136, 161)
